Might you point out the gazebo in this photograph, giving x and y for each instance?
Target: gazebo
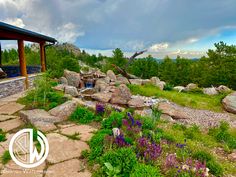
(9, 32)
(20, 83)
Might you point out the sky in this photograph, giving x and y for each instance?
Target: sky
(163, 27)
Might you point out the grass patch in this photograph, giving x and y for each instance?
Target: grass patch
(2, 135)
(83, 115)
(6, 157)
(75, 136)
(193, 100)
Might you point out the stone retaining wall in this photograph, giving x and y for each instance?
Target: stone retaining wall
(15, 85)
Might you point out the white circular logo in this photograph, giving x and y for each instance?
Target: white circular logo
(23, 148)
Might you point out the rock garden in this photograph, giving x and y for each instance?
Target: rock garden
(102, 124)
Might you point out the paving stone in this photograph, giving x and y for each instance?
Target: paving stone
(11, 124)
(6, 117)
(40, 118)
(13, 170)
(62, 148)
(71, 168)
(85, 131)
(65, 125)
(13, 98)
(3, 102)
(11, 108)
(64, 110)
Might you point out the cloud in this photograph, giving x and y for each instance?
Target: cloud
(15, 21)
(158, 47)
(157, 25)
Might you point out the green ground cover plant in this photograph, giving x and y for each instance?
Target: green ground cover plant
(43, 96)
(5, 157)
(2, 135)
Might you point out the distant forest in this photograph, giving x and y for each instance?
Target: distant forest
(217, 68)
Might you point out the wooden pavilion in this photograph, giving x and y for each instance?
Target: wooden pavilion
(9, 32)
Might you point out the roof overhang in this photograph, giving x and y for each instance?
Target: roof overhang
(10, 32)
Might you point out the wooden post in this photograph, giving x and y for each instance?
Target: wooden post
(23, 69)
(42, 57)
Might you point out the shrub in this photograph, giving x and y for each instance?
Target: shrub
(215, 168)
(125, 158)
(202, 156)
(2, 135)
(192, 132)
(222, 134)
(6, 157)
(179, 127)
(114, 120)
(43, 96)
(97, 144)
(141, 170)
(82, 115)
(168, 87)
(147, 122)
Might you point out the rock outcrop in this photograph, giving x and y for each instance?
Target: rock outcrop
(210, 91)
(121, 95)
(73, 78)
(102, 97)
(71, 90)
(111, 75)
(229, 103)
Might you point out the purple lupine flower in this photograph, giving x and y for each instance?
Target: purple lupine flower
(138, 123)
(179, 145)
(120, 141)
(100, 108)
(131, 118)
(147, 150)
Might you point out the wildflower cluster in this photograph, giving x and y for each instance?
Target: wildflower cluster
(100, 108)
(148, 151)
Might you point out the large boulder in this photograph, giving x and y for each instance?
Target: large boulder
(102, 97)
(223, 89)
(121, 95)
(161, 85)
(122, 80)
(101, 85)
(155, 80)
(64, 110)
(179, 88)
(73, 78)
(59, 87)
(111, 75)
(136, 81)
(146, 81)
(136, 103)
(229, 102)
(63, 80)
(210, 91)
(40, 118)
(71, 90)
(172, 110)
(191, 86)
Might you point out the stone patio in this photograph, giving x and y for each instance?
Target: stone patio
(64, 154)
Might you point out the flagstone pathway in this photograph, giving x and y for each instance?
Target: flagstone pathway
(64, 153)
